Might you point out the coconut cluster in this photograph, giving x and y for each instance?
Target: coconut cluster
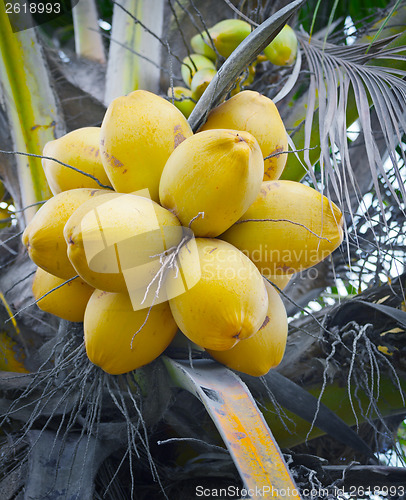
(158, 229)
(216, 44)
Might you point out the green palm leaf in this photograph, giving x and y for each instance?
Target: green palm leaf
(32, 109)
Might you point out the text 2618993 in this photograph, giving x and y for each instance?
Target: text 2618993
(33, 8)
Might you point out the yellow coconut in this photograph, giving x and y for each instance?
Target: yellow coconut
(264, 350)
(79, 149)
(138, 134)
(114, 242)
(192, 64)
(228, 303)
(183, 100)
(282, 50)
(119, 339)
(288, 228)
(67, 302)
(216, 173)
(43, 236)
(258, 115)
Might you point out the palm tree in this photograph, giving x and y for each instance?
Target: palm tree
(335, 403)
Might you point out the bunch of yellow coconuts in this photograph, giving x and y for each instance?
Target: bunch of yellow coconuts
(182, 233)
(198, 69)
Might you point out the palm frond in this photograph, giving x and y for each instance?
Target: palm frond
(33, 113)
(88, 40)
(291, 80)
(343, 86)
(250, 442)
(130, 31)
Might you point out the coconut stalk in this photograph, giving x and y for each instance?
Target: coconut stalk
(134, 53)
(31, 107)
(233, 410)
(88, 40)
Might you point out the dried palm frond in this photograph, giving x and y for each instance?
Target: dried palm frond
(343, 85)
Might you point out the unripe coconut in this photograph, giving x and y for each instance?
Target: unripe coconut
(288, 228)
(282, 50)
(264, 350)
(227, 35)
(79, 149)
(43, 236)
(258, 115)
(119, 339)
(5, 218)
(229, 301)
(217, 173)
(138, 134)
(200, 81)
(201, 44)
(67, 302)
(114, 243)
(182, 99)
(193, 63)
